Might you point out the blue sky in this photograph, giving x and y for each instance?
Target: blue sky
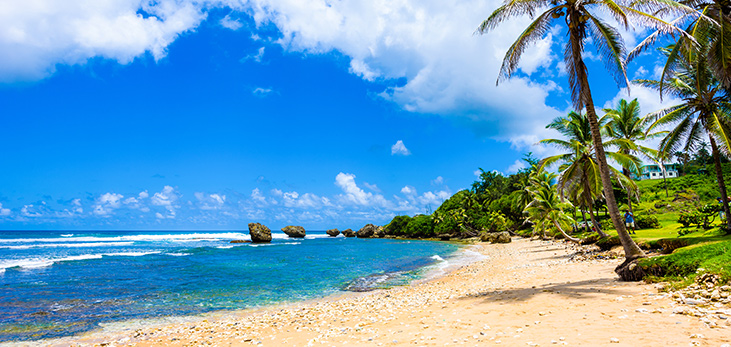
(213, 114)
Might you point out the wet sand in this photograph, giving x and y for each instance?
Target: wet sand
(525, 293)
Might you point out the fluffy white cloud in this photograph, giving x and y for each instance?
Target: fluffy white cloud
(35, 35)
(31, 211)
(166, 197)
(437, 181)
(356, 195)
(107, 203)
(408, 190)
(230, 23)
(4, 211)
(210, 201)
(429, 43)
(399, 148)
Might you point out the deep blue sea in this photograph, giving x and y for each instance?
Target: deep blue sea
(55, 284)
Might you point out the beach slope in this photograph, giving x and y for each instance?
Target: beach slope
(525, 293)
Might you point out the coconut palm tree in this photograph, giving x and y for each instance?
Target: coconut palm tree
(704, 111)
(546, 206)
(626, 128)
(582, 22)
(579, 178)
(709, 27)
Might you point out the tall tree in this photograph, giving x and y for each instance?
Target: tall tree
(579, 178)
(547, 207)
(626, 129)
(582, 24)
(704, 111)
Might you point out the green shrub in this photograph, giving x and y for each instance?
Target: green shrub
(492, 222)
(397, 226)
(646, 222)
(447, 226)
(687, 219)
(420, 226)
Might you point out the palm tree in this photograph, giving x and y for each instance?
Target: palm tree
(625, 127)
(709, 27)
(582, 23)
(579, 178)
(704, 111)
(546, 206)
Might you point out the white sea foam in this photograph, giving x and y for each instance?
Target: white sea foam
(224, 247)
(130, 254)
(39, 262)
(177, 254)
(437, 258)
(67, 235)
(69, 245)
(145, 237)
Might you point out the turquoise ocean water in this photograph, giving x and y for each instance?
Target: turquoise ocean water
(55, 284)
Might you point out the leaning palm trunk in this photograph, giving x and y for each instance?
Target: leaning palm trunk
(631, 250)
(567, 236)
(596, 224)
(625, 171)
(719, 177)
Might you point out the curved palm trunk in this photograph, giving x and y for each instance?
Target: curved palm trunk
(587, 198)
(631, 250)
(567, 236)
(583, 217)
(625, 171)
(721, 182)
(596, 224)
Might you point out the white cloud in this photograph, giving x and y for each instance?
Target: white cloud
(107, 203)
(230, 23)
(255, 57)
(408, 190)
(372, 187)
(31, 211)
(437, 181)
(356, 195)
(262, 92)
(430, 44)
(4, 211)
(210, 201)
(144, 195)
(166, 197)
(399, 149)
(36, 35)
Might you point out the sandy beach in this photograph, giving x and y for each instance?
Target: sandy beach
(525, 293)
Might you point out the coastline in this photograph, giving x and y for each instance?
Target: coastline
(523, 293)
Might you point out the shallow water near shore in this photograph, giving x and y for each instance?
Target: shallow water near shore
(55, 284)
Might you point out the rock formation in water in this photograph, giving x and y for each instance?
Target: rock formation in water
(369, 230)
(259, 233)
(294, 231)
(333, 232)
(348, 233)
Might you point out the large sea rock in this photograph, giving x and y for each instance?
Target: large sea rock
(369, 230)
(294, 231)
(333, 232)
(259, 233)
(500, 237)
(348, 233)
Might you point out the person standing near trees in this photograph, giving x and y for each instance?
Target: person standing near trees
(629, 221)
